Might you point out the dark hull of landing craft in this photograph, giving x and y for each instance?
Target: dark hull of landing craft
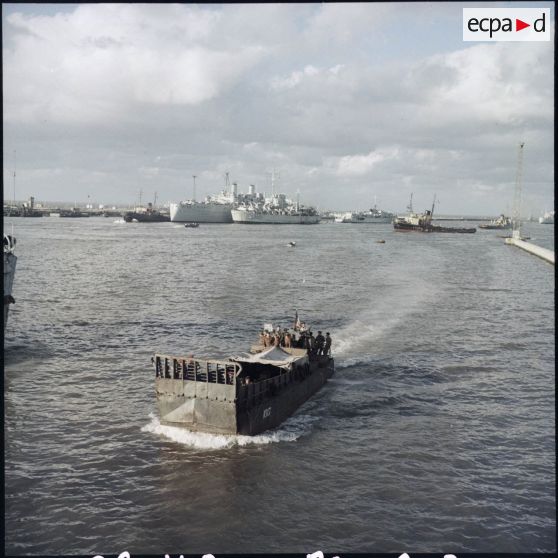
(145, 217)
(214, 400)
(404, 227)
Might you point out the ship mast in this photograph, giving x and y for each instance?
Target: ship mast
(194, 189)
(516, 218)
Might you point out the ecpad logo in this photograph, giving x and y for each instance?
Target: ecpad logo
(506, 24)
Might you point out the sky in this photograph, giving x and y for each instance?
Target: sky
(348, 104)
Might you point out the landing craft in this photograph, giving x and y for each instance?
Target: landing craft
(244, 394)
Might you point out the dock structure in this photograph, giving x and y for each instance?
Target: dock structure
(544, 253)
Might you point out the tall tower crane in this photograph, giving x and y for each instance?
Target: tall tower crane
(516, 217)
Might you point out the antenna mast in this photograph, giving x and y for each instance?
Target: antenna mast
(516, 218)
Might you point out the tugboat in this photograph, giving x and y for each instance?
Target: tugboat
(145, 215)
(502, 223)
(423, 222)
(10, 261)
(245, 394)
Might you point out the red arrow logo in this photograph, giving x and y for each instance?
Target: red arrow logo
(519, 25)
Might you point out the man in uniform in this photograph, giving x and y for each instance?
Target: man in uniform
(319, 341)
(327, 346)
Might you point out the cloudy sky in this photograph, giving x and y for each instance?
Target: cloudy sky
(349, 103)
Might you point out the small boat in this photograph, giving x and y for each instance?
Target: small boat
(291, 244)
(244, 394)
(191, 225)
(501, 223)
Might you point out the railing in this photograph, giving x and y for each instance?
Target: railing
(195, 370)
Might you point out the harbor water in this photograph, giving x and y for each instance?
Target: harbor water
(436, 434)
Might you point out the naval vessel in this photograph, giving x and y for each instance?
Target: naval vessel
(244, 394)
(213, 209)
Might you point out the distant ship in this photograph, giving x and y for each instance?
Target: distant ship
(373, 215)
(501, 223)
(422, 222)
(254, 208)
(145, 215)
(10, 261)
(74, 212)
(547, 218)
(214, 209)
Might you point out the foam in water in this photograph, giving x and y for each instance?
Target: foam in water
(384, 314)
(289, 431)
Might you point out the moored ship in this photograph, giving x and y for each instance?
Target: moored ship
(145, 215)
(245, 394)
(254, 208)
(10, 261)
(372, 215)
(501, 223)
(547, 218)
(214, 209)
(422, 222)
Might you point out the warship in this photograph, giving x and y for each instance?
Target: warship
(245, 394)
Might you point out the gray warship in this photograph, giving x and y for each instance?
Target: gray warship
(246, 394)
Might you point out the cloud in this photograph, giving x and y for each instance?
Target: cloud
(345, 100)
(92, 65)
(356, 165)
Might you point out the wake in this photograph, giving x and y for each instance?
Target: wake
(290, 431)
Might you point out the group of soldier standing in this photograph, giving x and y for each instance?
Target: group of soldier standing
(298, 337)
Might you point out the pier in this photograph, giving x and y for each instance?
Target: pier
(544, 253)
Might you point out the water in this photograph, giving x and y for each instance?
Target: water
(436, 434)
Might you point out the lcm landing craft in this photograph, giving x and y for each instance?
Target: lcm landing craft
(245, 394)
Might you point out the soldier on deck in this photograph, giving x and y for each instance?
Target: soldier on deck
(327, 345)
(320, 340)
(287, 339)
(310, 342)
